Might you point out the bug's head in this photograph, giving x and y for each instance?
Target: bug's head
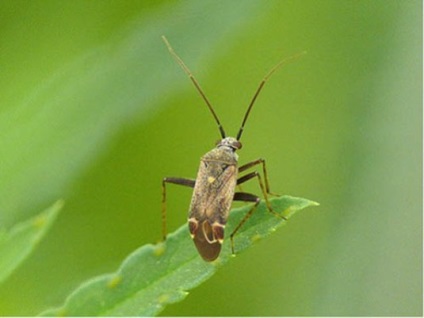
(229, 142)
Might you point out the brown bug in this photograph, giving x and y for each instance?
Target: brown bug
(217, 178)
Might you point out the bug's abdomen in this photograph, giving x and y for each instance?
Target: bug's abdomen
(207, 238)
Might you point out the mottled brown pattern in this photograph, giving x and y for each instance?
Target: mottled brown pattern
(211, 201)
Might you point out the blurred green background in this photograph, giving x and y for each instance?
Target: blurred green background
(94, 110)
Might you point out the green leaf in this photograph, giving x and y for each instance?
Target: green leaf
(157, 275)
(17, 244)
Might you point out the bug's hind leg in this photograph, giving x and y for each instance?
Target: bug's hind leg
(248, 197)
(245, 197)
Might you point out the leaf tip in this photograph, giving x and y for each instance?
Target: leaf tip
(313, 203)
(43, 219)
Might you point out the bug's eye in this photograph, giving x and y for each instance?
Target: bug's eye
(237, 144)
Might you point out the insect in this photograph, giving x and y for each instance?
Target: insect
(216, 181)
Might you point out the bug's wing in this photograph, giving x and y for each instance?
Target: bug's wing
(213, 192)
(207, 238)
(210, 205)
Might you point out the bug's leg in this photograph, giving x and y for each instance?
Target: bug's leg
(263, 188)
(245, 197)
(179, 181)
(257, 162)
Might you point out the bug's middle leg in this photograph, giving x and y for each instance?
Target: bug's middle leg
(179, 181)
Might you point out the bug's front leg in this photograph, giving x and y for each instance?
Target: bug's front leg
(263, 189)
(258, 162)
(179, 181)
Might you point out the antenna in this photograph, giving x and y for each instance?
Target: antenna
(190, 75)
(261, 85)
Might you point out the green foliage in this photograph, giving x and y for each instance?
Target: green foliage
(93, 109)
(18, 243)
(157, 275)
